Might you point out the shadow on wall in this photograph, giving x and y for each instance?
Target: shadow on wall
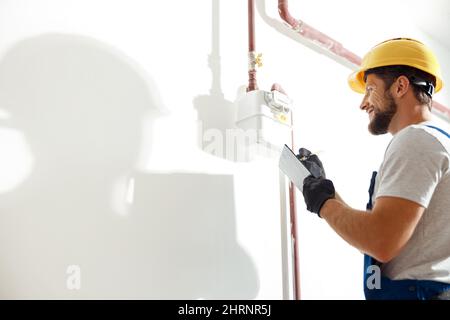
(81, 107)
(197, 227)
(219, 134)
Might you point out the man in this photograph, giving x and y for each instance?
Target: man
(406, 228)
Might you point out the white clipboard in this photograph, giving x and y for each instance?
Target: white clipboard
(293, 168)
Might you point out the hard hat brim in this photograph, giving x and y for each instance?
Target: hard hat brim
(357, 83)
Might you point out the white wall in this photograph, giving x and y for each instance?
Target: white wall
(99, 98)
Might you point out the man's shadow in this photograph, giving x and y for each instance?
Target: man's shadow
(81, 106)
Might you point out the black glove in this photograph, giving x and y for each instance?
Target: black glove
(311, 162)
(316, 191)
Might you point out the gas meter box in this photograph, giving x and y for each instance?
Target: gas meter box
(269, 114)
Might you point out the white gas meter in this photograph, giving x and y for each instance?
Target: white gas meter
(269, 114)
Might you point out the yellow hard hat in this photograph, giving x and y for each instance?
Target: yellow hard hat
(399, 51)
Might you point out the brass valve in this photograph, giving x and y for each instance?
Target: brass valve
(254, 60)
(258, 60)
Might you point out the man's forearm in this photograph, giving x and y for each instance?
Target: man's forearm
(356, 227)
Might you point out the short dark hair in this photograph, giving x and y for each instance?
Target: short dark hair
(390, 73)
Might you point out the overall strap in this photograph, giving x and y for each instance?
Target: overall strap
(439, 129)
(371, 190)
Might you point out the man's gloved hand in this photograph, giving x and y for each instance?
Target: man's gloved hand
(316, 191)
(311, 162)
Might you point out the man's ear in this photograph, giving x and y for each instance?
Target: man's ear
(401, 86)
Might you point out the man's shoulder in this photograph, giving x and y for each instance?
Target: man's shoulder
(419, 138)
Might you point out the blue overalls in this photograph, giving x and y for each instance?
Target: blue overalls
(400, 289)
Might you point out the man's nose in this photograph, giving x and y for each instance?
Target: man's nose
(364, 103)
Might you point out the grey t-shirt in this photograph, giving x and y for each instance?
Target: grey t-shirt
(416, 168)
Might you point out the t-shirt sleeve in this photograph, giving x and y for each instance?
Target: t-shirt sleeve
(413, 166)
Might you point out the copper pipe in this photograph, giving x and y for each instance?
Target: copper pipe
(441, 108)
(252, 85)
(293, 214)
(286, 15)
(315, 35)
(330, 44)
(251, 26)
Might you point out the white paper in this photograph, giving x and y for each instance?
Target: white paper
(293, 168)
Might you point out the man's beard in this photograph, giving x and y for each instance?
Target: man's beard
(381, 120)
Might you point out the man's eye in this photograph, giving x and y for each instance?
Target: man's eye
(369, 90)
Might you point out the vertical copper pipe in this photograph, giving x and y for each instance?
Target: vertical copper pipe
(251, 25)
(252, 85)
(293, 214)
